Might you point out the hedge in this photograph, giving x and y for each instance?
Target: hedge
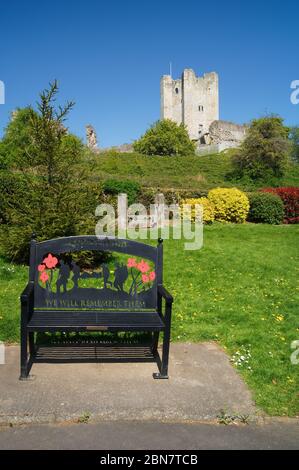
(265, 208)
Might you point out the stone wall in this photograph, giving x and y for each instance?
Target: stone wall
(222, 135)
(124, 148)
(224, 131)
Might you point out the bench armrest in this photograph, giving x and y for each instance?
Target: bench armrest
(165, 294)
(27, 293)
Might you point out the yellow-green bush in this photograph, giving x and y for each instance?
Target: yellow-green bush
(208, 208)
(230, 204)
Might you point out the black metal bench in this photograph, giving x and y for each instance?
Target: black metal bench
(62, 297)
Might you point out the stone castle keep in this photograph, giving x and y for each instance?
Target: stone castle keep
(194, 101)
(191, 100)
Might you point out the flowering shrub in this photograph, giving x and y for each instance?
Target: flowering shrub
(230, 204)
(208, 209)
(140, 270)
(265, 208)
(290, 198)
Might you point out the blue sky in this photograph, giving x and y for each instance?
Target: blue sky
(109, 57)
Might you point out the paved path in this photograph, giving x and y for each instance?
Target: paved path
(151, 436)
(202, 382)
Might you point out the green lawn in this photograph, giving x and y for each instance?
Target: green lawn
(193, 173)
(241, 290)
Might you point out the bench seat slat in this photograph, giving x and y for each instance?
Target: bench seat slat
(83, 320)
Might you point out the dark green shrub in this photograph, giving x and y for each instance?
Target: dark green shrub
(265, 208)
(165, 137)
(131, 188)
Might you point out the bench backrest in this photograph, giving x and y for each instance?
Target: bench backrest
(128, 282)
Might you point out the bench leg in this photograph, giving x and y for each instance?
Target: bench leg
(155, 342)
(26, 362)
(24, 355)
(31, 345)
(163, 374)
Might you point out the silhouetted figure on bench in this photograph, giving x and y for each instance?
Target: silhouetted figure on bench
(120, 276)
(76, 274)
(63, 277)
(106, 275)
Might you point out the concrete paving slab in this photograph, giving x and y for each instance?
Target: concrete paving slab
(202, 382)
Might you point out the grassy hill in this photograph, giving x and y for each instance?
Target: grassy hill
(192, 173)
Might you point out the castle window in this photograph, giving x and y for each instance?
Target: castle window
(177, 91)
(200, 108)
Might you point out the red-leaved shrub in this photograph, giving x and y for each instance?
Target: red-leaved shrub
(290, 198)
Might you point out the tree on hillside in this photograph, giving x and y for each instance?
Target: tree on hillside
(294, 138)
(165, 138)
(265, 150)
(44, 183)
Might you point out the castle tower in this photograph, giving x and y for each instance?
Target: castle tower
(191, 100)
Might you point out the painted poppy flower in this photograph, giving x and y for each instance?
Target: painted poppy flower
(50, 261)
(131, 263)
(143, 266)
(41, 268)
(44, 277)
(152, 276)
(145, 278)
